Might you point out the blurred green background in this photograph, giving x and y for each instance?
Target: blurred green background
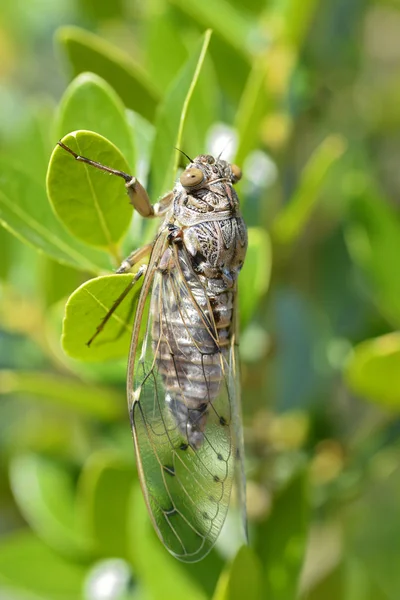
(305, 96)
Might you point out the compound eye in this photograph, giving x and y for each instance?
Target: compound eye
(236, 172)
(191, 177)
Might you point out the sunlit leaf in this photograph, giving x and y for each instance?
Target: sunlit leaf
(25, 211)
(91, 103)
(255, 274)
(84, 398)
(92, 204)
(84, 312)
(373, 239)
(290, 222)
(373, 370)
(44, 492)
(88, 52)
(170, 121)
(30, 567)
(242, 579)
(104, 497)
(281, 540)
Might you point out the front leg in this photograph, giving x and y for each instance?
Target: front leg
(131, 260)
(136, 192)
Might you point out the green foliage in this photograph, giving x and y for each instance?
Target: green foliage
(373, 237)
(91, 103)
(28, 565)
(85, 199)
(282, 540)
(318, 294)
(373, 370)
(48, 507)
(242, 579)
(85, 310)
(255, 276)
(291, 221)
(88, 52)
(170, 121)
(25, 211)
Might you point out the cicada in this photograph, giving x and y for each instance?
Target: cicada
(182, 383)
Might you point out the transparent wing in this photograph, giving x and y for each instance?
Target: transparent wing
(182, 397)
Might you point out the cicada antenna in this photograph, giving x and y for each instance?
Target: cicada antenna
(184, 154)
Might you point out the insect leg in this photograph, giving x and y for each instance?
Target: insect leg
(134, 258)
(136, 192)
(118, 301)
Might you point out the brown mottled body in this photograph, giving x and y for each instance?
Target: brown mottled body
(209, 250)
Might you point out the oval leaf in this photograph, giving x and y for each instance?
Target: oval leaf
(92, 204)
(25, 211)
(88, 52)
(85, 310)
(373, 370)
(90, 103)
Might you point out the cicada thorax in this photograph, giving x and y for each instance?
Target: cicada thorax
(192, 338)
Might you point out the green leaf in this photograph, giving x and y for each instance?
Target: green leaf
(256, 272)
(373, 240)
(242, 579)
(95, 401)
(44, 493)
(372, 525)
(295, 17)
(25, 211)
(6, 252)
(104, 496)
(32, 144)
(228, 23)
(373, 370)
(149, 557)
(92, 204)
(162, 35)
(56, 281)
(202, 111)
(251, 110)
(170, 121)
(290, 222)
(88, 52)
(91, 103)
(85, 310)
(28, 566)
(282, 538)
